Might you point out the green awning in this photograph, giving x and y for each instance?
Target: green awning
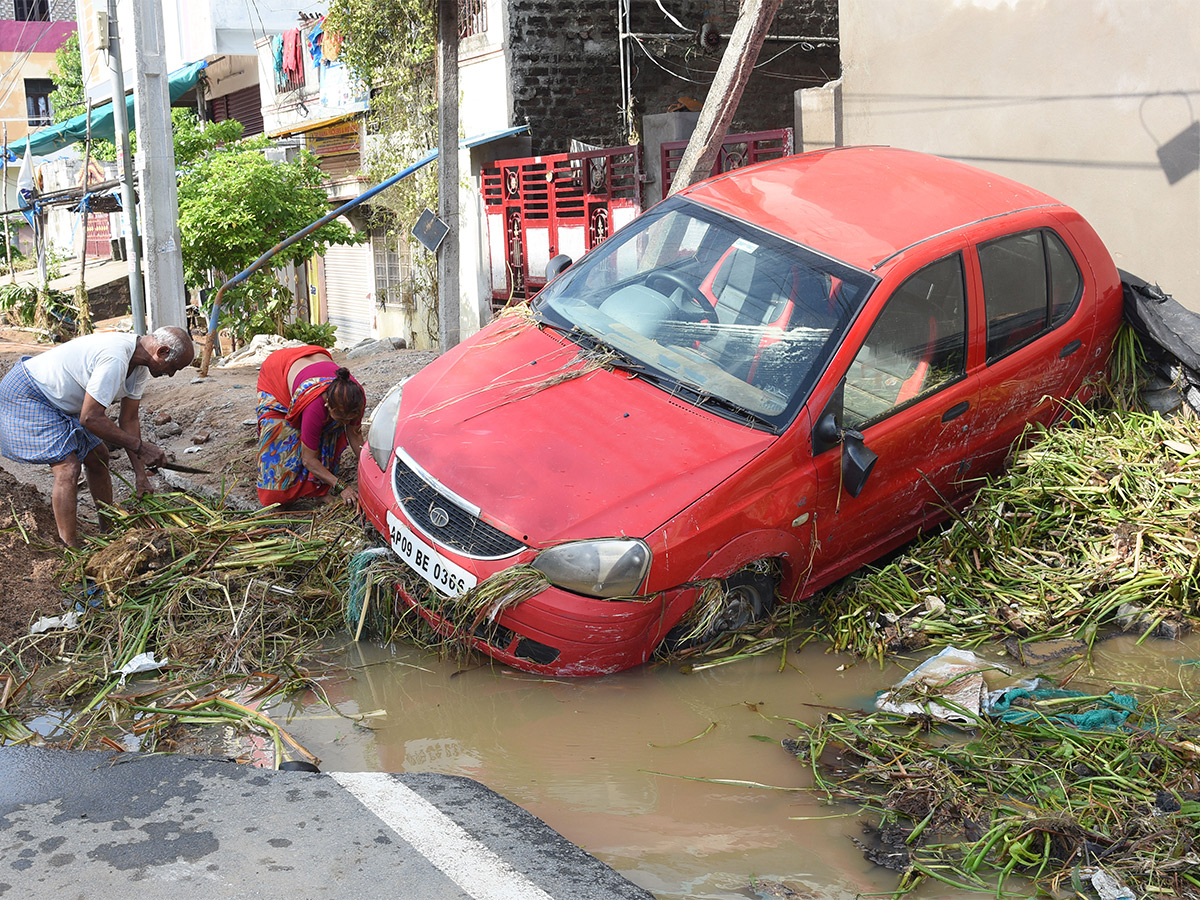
(55, 137)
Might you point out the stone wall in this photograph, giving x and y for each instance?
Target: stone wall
(565, 64)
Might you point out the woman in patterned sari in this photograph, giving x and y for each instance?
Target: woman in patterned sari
(309, 409)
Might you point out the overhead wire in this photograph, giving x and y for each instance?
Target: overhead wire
(671, 17)
(800, 79)
(19, 61)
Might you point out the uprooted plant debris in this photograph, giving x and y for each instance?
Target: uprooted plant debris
(1074, 812)
(213, 604)
(1092, 527)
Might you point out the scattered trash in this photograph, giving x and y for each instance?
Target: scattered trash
(1108, 887)
(65, 622)
(949, 687)
(143, 662)
(1075, 709)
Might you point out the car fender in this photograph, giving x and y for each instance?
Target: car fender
(792, 552)
(755, 545)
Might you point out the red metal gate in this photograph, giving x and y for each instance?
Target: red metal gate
(736, 151)
(541, 206)
(99, 238)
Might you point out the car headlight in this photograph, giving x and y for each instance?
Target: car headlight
(611, 567)
(382, 430)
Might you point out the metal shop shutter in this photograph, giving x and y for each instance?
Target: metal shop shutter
(350, 291)
(244, 105)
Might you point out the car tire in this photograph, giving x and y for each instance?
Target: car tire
(749, 598)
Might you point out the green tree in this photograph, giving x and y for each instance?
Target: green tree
(69, 97)
(235, 205)
(391, 45)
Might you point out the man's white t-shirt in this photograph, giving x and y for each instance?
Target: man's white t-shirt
(96, 364)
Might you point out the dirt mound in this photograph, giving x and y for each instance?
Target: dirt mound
(30, 557)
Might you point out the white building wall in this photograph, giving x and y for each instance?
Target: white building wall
(1095, 102)
(485, 106)
(194, 30)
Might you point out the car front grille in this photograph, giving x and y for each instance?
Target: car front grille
(446, 522)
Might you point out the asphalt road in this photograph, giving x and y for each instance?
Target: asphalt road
(125, 825)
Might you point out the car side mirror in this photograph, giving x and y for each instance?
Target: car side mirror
(557, 266)
(857, 461)
(827, 434)
(857, 458)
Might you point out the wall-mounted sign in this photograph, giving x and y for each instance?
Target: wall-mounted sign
(335, 140)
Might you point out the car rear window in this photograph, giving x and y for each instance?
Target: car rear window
(1031, 283)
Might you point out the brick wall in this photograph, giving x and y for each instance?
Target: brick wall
(567, 82)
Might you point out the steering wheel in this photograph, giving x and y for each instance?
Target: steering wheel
(691, 289)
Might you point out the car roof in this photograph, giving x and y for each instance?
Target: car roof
(863, 204)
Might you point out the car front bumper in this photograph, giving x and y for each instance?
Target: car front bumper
(555, 632)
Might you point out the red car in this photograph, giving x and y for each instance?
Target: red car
(759, 385)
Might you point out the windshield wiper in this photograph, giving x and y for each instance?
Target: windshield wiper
(676, 387)
(697, 396)
(738, 412)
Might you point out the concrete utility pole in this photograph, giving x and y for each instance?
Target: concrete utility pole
(156, 168)
(447, 260)
(725, 93)
(137, 300)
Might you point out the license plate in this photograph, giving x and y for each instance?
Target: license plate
(444, 576)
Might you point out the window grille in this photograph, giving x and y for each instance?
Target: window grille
(472, 17)
(37, 100)
(32, 10)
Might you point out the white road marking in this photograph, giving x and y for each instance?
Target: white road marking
(437, 837)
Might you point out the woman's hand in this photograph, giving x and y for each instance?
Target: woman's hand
(349, 496)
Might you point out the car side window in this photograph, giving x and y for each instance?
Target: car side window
(1066, 285)
(916, 346)
(1030, 283)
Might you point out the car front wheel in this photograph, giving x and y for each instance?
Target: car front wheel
(748, 597)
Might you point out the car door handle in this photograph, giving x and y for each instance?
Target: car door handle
(955, 411)
(1069, 349)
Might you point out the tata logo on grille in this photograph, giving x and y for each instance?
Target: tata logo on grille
(438, 517)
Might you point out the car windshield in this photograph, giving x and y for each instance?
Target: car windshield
(735, 318)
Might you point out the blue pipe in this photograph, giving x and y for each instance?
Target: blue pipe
(283, 245)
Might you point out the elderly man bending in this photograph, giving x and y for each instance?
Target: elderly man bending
(52, 410)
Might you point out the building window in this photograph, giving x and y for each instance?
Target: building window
(472, 17)
(389, 270)
(37, 100)
(32, 10)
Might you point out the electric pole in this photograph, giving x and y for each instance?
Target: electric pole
(111, 40)
(156, 169)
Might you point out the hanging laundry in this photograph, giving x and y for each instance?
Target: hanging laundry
(314, 41)
(331, 46)
(277, 55)
(293, 60)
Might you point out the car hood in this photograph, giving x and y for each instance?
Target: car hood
(551, 449)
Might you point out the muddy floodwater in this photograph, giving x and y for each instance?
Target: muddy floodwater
(612, 763)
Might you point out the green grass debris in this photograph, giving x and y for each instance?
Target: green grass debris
(1092, 526)
(1033, 799)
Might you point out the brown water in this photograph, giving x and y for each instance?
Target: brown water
(611, 762)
